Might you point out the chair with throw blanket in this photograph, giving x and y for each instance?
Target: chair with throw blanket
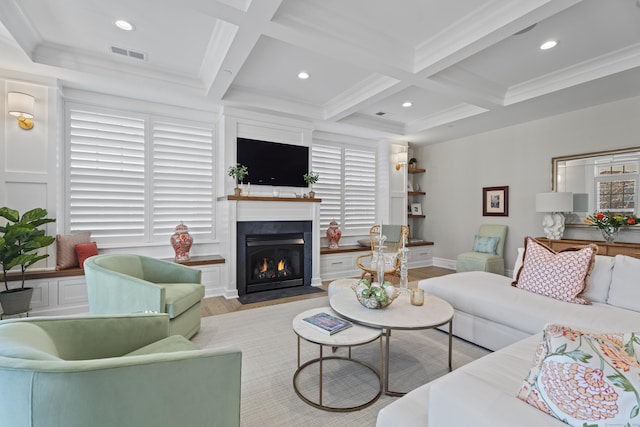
(488, 251)
(119, 284)
(106, 371)
(395, 235)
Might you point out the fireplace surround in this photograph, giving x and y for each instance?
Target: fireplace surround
(273, 255)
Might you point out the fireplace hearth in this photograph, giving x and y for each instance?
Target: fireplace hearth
(273, 255)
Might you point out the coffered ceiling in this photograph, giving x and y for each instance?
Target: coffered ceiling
(467, 66)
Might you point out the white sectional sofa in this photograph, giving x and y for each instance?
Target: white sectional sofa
(493, 314)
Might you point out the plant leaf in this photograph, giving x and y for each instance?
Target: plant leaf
(579, 355)
(10, 214)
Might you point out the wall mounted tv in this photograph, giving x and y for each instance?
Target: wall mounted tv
(271, 163)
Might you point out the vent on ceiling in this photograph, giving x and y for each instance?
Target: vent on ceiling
(380, 113)
(128, 53)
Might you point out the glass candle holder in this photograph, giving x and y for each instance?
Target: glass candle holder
(417, 296)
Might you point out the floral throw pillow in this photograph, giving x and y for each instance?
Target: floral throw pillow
(560, 275)
(584, 378)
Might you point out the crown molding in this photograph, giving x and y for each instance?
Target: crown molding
(458, 112)
(368, 90)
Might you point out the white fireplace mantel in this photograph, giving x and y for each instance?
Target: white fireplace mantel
(243, 208)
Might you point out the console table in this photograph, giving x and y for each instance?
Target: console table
(604, 248)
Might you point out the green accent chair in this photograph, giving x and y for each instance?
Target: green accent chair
(106, 371)
(482, 261)
(120, 284)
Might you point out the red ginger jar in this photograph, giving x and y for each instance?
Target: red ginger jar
(333, 234)
(181, 241)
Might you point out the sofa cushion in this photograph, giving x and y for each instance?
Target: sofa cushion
(599, 280)
(485, 244)
(167, 345)
(624, 291)
(518, 265)
(490, 296)
(584, 378)
(22, 340)
(560, 275)
(179, 297)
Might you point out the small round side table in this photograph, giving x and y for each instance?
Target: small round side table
(354, 336)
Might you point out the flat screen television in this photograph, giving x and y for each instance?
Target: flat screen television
(272, 163)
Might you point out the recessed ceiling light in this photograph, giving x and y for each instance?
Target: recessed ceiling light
(407, 104)
(303, 75)
(124, 25)
(548, 44)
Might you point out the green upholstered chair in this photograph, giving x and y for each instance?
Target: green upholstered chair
(119, 284)
(106, 371)
(481, 260)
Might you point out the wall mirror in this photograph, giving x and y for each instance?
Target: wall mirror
(606, 180)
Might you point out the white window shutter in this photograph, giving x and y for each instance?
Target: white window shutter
(327, 161)
(106, 168)
(359, 190)
(182, 179)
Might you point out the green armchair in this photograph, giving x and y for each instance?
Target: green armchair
(487, 254)
(105, 371)
(120, 284)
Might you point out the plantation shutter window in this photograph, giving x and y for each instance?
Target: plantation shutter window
(106, 175)
(182, 179)
(133, 178)
(346, 187)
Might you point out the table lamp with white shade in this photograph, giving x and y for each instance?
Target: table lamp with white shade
(554, 204)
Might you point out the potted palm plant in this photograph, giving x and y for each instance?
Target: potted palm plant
(311, 178)
(238, 172)
(20, 239)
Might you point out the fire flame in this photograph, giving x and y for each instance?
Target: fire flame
(264, 266)
(280, 265)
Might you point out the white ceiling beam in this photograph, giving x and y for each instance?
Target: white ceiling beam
(19, 27)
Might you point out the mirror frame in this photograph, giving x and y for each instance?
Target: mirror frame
(556, 160)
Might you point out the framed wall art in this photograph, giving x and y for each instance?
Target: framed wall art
(416, 209)
(495, 201)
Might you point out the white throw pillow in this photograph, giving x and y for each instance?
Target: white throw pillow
(600, 279)
(624, 291)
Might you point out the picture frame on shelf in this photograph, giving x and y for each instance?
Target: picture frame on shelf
(416, 209)
(495, 201)
(409, 187)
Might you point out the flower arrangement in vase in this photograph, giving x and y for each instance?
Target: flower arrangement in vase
(238, 172)
(610, 224)
(311, 178)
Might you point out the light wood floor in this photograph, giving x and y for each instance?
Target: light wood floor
(220, 305)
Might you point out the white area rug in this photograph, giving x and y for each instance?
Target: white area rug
(269, 360)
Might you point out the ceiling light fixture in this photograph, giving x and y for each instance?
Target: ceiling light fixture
(303, 75)
(124, 25)
(407, 104)
(548, 44)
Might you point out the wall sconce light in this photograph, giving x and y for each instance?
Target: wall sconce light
(401, 160)
(21, 106)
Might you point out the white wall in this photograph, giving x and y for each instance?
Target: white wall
(520, 157)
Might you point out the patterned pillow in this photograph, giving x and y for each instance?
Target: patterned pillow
(582, 378)
(560, 275)
(485, 244)
(66, 256)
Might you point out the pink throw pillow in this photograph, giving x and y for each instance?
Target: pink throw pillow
(560, 275)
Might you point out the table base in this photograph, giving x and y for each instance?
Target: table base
(320, 361)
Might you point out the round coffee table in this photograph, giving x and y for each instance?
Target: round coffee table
(354, 336)
(399, 315)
